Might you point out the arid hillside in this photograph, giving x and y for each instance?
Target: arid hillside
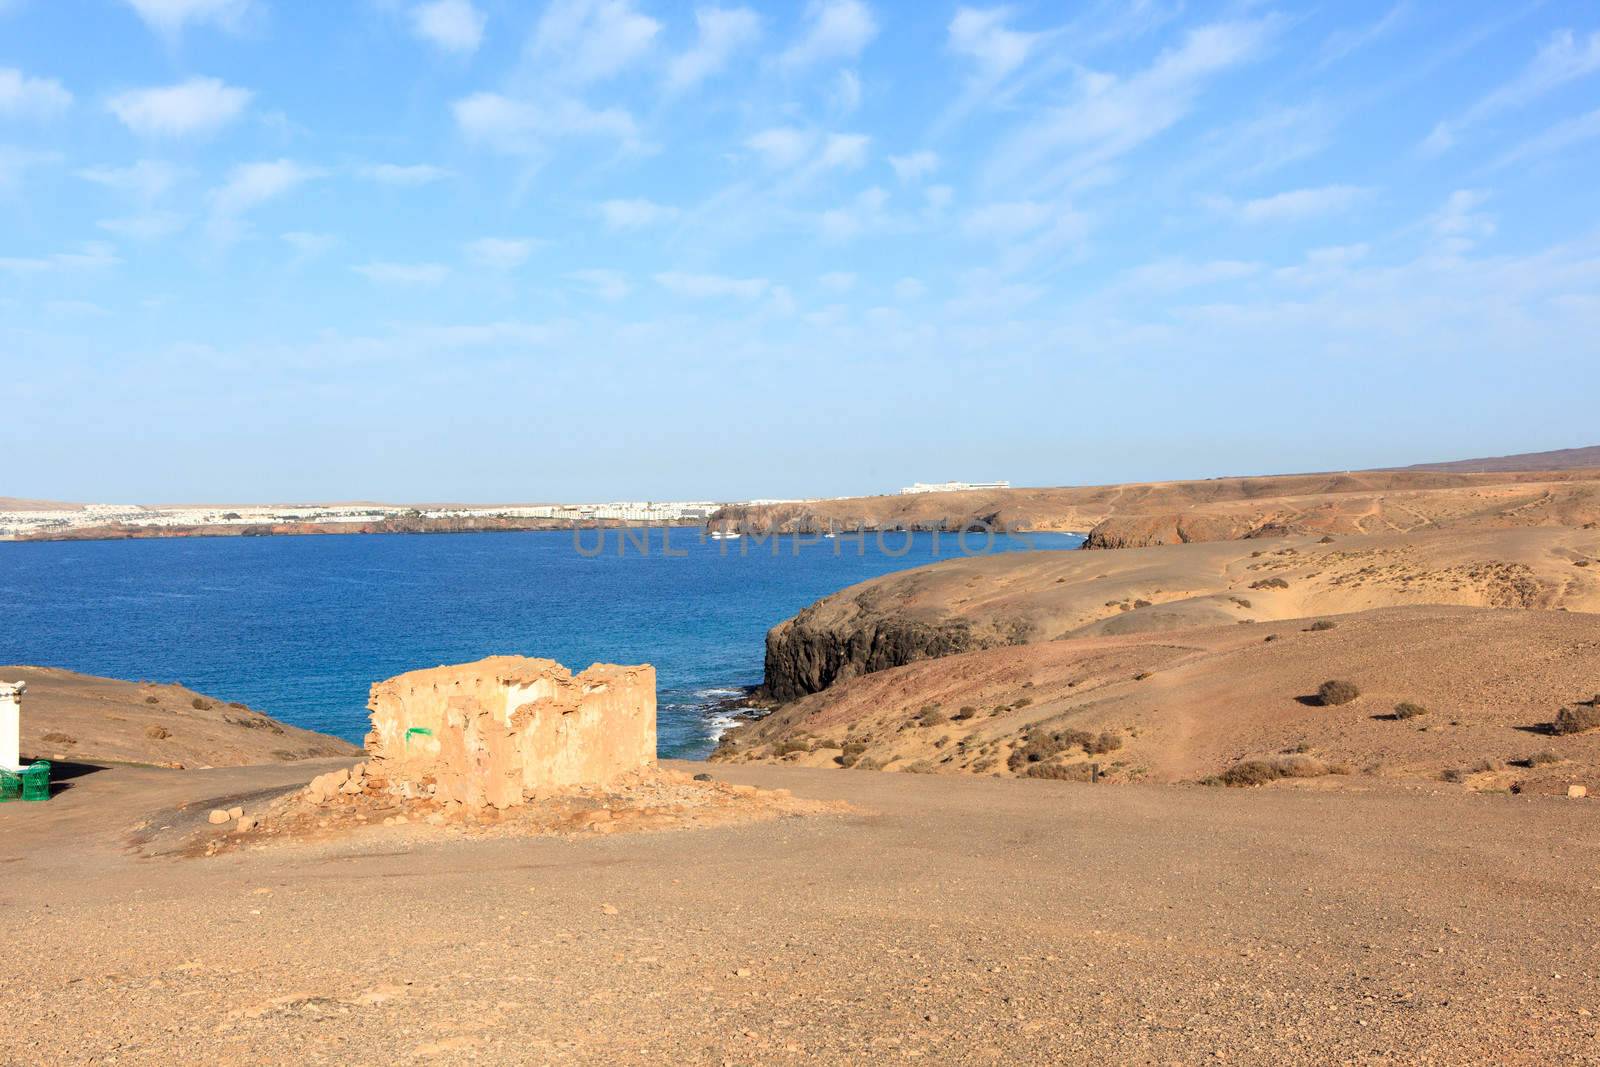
(77, 717)
(1459, 694)
(1560, 459)
(982, 602)
(1123, 516)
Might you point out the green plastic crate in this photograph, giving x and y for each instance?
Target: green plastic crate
(36, 781)
(10, 786)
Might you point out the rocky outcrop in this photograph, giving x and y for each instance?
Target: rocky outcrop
(485, 734)
(873, 627)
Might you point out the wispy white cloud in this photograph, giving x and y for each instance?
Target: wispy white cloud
(151, 226)
(23, 96)
(309, 244)
(248, 186)
(1169, 275)
(1565, 58)
(145, 180)
(909, 289)
(170, 17)
(194, 107)
(835, 30)
(837, 281)
(583, 41)
(635, 214)
(1458, 225)
(1011, 220)
(722, 32)
(605, 284)
(1294, 205)
(500, 253)
(781, 147)
(712, 286)
(984, 37)
(93, 255)
(1346, 42)
(449, 25)
(386, 273)
(845, 97)
(405, 174)
(915, 166)
(520, 127)
(1558, 138)
(15, 162)
(1112, 115)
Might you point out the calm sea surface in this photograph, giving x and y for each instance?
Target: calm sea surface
(300, 627)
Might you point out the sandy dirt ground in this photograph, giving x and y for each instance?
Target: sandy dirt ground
(1189, 704)
(948, 920)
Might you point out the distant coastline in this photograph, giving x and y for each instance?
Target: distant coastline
(413, 525)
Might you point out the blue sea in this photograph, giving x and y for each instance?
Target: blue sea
(300, 627)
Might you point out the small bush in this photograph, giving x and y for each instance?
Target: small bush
(1064, 772)
(1301, 766)
(1454, 774)
(1141, 676)
(1021, 702)
(56, 737)
(789, 745)
(1000, 709)
(200, 704)
(152, 700)
(1576, 719)
(156, 733)
(1105, 742)
(851, 754)
(1407, 710)
(1141, 603)
(1321, 625)
(1270, 637)
(967, 712)
(1249, 772)
(1325, 541)
(933, 716)
(1542, 759)
(1270, 583)
(1333, 693)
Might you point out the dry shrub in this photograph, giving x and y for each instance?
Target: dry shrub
(1141, 676)
(1270, 583)
(788, 745)
(1261, 771)
(932, 715)
(1141, 603)
(1335, 692)
(56, 737)
(1105, 742)
(1064, 772)
(1541, 759)
(200, 704)
(1576, 719)
(1021, 702)
(1247, 773)
(1407, 710)
(967, 711)
(156, 733)
(850, 755)
(152, 700)
(1321, 625)
(1454, 774)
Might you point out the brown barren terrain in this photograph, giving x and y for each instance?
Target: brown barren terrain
(1122, 516)
(944, 920)
(77, 717)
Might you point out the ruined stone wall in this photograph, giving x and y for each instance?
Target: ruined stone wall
(483, 734)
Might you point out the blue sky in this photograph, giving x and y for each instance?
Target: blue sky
(602, 249)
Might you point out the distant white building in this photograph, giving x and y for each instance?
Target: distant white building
(951, 487)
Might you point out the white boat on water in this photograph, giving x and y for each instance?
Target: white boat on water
(725, 535)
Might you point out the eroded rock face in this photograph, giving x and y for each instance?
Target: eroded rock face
(484, 734)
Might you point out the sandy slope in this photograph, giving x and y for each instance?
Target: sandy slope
(1187, 705)
(972, 603)
(70, 716)
(951, 921)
